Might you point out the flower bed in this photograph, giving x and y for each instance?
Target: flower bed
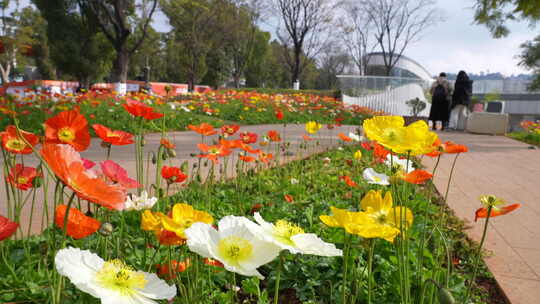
(359, 224)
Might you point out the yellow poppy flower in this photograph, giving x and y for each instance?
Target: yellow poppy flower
(379, 219)
(151, 221)
(339, 217)
(182, 217)
(313, 127)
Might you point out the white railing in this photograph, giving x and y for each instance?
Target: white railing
(388, 94)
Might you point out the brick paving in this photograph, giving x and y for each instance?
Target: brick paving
(508, 169)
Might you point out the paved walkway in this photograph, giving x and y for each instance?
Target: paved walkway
(186, 145)
(508, 169)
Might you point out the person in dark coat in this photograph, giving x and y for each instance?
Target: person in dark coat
(461, 100)
(441, 91)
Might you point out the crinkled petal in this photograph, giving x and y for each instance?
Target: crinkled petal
(310, 243)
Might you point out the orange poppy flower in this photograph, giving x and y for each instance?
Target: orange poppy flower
(139, 109)
(256, 208)
(448, 147)
(248, 138)
(265, 157)
(173, 174)
(344, 137)
(68, 166)
(247, 159)
(417, 177)
(13, 143)
(203, 129)
(349, 181)
(289, 198)
(7, 228)
(495, 211)
(214, 152)
(229, 130)
(231, 144)
(167, 144)
(68, 127)
(380, 152)
(22, 177)
(306, 137)
(116, 138)
(249, 149)
(367, 145)
(167, 273)
(78, 225)
(273, 135)
(212, 262)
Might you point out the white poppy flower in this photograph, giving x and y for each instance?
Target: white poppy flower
(138, 203)
(294, 181)
(355, 136)
(113, 281)
(291, 237)
(373, 177)
(239, 244)
(398, 163)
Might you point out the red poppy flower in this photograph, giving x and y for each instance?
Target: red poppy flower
(212, 262)
(229, 130)
(167, 273)
(380, 152)
(88, 164)
(348, 181)
(78, 225)
(22, 177)
(256, 208)
(447, 147)
(344, 137)
(289, 198)
(214, 152)
(273, 135)
(7, 228)
(279, 114)
(140, 109)
(203, 129)
(167, 144)
(367, 145)
(417, 177)
(265, 157)
(68, 166)
(116, 138)
(248, 138)
(117, 174)
(495, 211)
(173, 174)
(169, 238)
(13, 143)
(247, 159)
(68, 127)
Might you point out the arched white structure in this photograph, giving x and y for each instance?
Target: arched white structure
(404, 65)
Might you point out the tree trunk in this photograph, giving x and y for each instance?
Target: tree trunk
(120, 64)
(5, 73)
(296, 68)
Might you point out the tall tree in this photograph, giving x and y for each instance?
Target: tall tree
(397, 24)
(15, 40)
(305, 23)
(118, 19)
(77, 47)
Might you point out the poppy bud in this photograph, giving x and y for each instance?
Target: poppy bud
(171, 152)
(184, 166)
(445, 297)
(164, 156)
(143, 142)
(36, 183)
(154, 158)
(106, 229)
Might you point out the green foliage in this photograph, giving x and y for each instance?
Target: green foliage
(495, 13)
(532, 138)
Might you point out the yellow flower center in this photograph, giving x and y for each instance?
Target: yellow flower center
(113, 134)
(66, 134)
(377, 179)
(380, 217)
(118, 277)
(235, 249)
(283, 231)
(213, 151)
(391, 135)
(22, 180)
(16, 144)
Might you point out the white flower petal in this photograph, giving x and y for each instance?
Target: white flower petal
(200, 237)
(266, 226)
(373, 177)
(401, 164)
(310, 243)
(156, 288)
(80, 267)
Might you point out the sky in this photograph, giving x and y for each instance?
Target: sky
(456, 44)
